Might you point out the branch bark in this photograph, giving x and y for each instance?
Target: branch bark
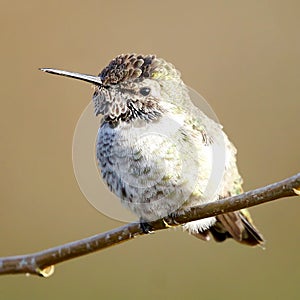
(42, 263)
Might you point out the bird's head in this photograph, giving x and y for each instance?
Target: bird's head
(131, 87)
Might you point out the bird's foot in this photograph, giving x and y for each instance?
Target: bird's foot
(146, 227)
(170, 219)
(167, 225)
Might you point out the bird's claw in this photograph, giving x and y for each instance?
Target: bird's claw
(167, 225)
(171, 219)
(146, 227)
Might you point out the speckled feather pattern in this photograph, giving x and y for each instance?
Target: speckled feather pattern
(128, 67)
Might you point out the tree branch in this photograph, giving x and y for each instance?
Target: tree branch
(42, 263)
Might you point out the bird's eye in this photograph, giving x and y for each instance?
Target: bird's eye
(145, 91)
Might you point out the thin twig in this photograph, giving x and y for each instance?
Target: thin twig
(42, 263)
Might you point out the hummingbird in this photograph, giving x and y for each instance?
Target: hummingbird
(158, 152)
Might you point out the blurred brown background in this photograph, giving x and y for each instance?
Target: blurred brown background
(242, 56)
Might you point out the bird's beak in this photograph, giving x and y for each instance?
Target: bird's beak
(88, 78)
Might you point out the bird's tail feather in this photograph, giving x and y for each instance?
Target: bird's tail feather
(237, 225)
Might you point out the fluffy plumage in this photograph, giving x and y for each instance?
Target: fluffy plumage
(159, 153)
